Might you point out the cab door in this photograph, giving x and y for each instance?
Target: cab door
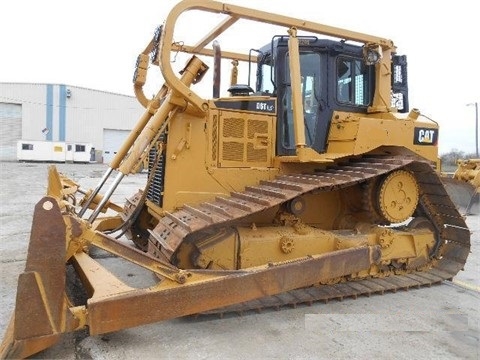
(314, 98)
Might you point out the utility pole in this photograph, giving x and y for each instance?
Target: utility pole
(476, 126)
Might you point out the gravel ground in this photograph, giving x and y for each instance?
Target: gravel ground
(440, 322)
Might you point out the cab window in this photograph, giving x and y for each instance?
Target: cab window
(352, 82)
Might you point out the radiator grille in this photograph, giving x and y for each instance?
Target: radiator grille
(214, 138)
(234, 127)
(155, 191)
(243, 141)
(256, 155)
(257, 127)
(232, 151)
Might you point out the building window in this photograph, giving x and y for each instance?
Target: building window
(27, 146)
(79, 148)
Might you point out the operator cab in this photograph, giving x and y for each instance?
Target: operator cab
(334, 77)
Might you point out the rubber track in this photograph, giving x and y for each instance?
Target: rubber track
(451, 253)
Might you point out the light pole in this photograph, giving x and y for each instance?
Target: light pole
(476, 125)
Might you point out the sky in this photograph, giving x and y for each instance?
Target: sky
(94, 44)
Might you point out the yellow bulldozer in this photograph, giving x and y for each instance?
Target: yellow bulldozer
(309, 180)
(464, 185)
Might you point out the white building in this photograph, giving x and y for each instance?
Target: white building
(64, 113)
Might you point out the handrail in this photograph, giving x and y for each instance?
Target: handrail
(237, 12)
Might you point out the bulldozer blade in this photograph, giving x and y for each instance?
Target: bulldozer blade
(40, 314)
(463, 194)
(20, 349)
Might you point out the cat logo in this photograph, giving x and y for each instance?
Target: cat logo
(425, 136)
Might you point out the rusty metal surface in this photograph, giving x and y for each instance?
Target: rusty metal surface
(144, 306)
(451, 254)
(274, 286)
(175, 227)
(453, 245)
(463, 194)
(40, 307)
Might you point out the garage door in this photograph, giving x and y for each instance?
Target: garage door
(11, 130)
(112, 141)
